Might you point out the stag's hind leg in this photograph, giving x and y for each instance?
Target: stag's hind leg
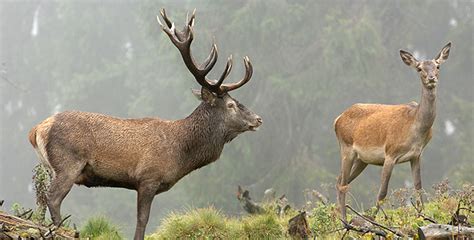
(60, 186)
(347, 160)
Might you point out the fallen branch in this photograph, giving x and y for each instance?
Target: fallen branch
(13, 226)
(362, 230)
(375, 223)
(445, 231)
(246, 202)
(426, 218)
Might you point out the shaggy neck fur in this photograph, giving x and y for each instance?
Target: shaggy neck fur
(206, 136)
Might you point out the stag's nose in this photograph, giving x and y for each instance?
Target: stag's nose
(431, 79)
(259, 120)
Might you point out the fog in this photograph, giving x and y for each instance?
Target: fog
(311, 59)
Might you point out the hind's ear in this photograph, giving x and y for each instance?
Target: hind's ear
(408, 59)
(443, 54)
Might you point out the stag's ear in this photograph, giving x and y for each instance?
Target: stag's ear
(443, 54)
(205, 96)
(408, 59)
(197, 94)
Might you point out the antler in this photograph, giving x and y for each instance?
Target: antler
(182, 40)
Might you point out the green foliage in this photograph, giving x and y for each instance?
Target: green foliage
(324, 219)
(41, 182)
(17, 209)
(100, 228)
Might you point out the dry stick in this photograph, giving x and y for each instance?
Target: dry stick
(4, 233)
(62, 221)
(25, 212)
(467, 209)
(421, 214)
(345, 233)
(349, 227)
(375, 223)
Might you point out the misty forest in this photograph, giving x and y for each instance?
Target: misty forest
(309, 61)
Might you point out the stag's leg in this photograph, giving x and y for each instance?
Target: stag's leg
(347, 160)
(144, 199)
(60, 186)
(416, 173)
(357, 168)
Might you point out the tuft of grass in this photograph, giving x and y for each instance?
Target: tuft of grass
(100, 227)
(264, 226)
(204, 223)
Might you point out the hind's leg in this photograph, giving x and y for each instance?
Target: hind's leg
(347, 160)
(60, 186)
(357, 168)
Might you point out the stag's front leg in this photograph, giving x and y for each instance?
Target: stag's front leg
(145, 197)
(416, 173)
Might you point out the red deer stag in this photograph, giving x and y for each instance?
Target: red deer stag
(148, 155)
(386, 135)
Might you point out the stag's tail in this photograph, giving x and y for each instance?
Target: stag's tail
(38, 138)
(32, 137)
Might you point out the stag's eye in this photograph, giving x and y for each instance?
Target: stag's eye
(437, 67)
(230, 105)
(418, 69)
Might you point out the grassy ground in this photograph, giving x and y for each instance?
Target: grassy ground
(322, 218)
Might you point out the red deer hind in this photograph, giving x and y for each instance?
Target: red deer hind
(148, 155)
(386, 135)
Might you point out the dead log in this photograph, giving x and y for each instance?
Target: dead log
(444, 231)
(246, 202)
(16, 228)
(298, 227)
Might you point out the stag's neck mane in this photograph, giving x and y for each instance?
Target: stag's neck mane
(205, 136)
(426, 112)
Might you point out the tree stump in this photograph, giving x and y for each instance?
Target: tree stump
(298, 227)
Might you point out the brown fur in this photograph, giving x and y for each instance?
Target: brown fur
(386, 135)
(148, 155)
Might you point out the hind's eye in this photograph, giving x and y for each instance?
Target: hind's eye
(230, 105)
(418, 69)
(437, 67)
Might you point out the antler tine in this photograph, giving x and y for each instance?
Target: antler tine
(191, 21)
(182, 40)
(228, 68)
(163, 15)
(248, 75)
(210, 60)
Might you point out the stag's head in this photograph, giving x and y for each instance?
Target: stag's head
(213, 93)
(429, 69)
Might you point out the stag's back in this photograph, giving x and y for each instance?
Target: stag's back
(106, 147)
